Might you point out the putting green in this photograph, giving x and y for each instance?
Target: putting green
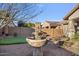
(13, 40)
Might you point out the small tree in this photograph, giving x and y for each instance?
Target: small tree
(14, 11)
(25, 24)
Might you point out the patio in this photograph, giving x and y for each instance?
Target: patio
(25, 50)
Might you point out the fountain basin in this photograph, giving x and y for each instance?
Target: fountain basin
(36, 43)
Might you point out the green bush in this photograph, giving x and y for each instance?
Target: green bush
(28, 24)
(76, 36)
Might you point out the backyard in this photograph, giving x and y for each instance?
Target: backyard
(21, 35)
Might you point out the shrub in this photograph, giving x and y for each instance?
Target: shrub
(68, 44)
(15, 34)
(3, 33)
(29, 25)
(6, 34)
(76, 36)
(60, 43)
(20, 23)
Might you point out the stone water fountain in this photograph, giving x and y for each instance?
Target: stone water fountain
(37, 43)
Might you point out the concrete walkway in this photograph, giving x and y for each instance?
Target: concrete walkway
(25, 50)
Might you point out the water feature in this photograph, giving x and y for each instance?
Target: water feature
(37, 43)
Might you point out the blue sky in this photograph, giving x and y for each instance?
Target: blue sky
(51, 11)
(54, 11)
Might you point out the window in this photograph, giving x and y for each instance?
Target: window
(53, 26)
(47, 27)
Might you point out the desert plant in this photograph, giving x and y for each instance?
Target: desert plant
(76, 36)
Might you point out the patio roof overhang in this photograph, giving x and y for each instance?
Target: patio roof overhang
(64, 22)
(71, 12)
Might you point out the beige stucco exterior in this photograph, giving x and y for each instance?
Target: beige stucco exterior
(71, 29)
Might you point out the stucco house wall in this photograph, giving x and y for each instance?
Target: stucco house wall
(71, 29)
(65, 29)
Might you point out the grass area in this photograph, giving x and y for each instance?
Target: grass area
(12, 40)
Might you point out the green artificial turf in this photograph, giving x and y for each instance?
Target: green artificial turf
(12, 40)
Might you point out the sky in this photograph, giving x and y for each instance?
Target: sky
(51, 11)
(54, 11)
